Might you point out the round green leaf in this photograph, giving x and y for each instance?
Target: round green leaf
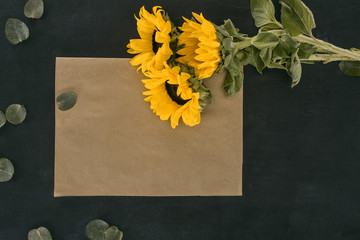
(96, 229)
(66, 100)
(34, 9)
(2, 119)
(113, 233)
(41, 233)
(16, 31)
(6, 170)
(350, 68)
(15, 113)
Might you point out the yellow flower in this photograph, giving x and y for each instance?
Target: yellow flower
(201, 46)
(171, 96)
(153, 47)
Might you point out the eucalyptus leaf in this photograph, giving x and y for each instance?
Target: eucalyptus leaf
(66, 100)
(16, 31)
(265, 40)
(296, 17)
(306, 50)
(6, 170)
(15, 113)
(263, 11)
(113, 233)
(350, 68)
(2, 119)
(294, 69)
(34, 9)
(41, 233)
(96, 229)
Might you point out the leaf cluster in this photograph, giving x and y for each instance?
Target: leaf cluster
(14, 114)
(274, 45)
(17, 31)
(98, 229)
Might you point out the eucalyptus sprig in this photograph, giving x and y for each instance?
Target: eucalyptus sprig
(284, 44)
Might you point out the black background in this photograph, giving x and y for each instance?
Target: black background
(301, 146)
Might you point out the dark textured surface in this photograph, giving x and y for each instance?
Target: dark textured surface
(301, 146)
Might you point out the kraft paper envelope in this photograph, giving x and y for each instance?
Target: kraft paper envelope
(111, 144)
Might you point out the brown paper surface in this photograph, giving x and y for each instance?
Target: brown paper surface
(112, 144)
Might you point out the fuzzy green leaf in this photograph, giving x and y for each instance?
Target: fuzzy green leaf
(16, 31)
(276, 65)
(306, 50)
(232, 84)
(266, 55)
(41, 233)
(296, 17)
(350, 68)
(2, 119)
(34, 9)
(285, 47)
(294, 69)
(6, 170)
(228, 43)
(263, 11)
(255, 59)
(15, 113)
(232, 30)
(265, 40)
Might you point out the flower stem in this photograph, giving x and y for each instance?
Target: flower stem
(338, 54)
(326, 58)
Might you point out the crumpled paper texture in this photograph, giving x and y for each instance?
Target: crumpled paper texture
(111, 144)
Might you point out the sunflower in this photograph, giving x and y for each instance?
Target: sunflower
(171, 96)
(153, 47)
(200, 46)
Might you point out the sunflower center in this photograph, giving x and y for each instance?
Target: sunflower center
(171, 90)
(155, 44)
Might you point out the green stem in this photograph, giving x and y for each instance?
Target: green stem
(340, 54)
(326, 58)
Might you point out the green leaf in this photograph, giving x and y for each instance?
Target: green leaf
(113, 233)
(266, 55)
(16, 31)
(66, 100)
(96, 229)
(285, 47)
(294, 69)
(296, 17)
(15, 113)
(276, 65)
(34, 9)
(232, 84)
(6, 170)
(306, 50)
(263, 11)
(227, 60)
(228, 43)
(350, 68)
(265, 40)
(256, 60)
(2, 119)
(41, 233)
(232, 30)
(234, 77)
